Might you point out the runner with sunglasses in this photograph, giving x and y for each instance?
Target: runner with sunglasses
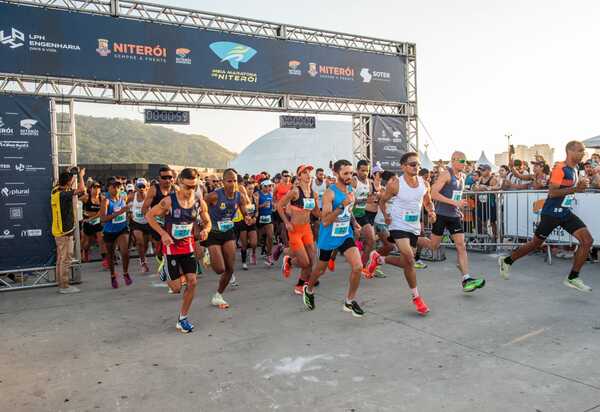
(222, 206)
(180, 212)
(139, 226)
(92, 226)
(447, 193)
(156, 193)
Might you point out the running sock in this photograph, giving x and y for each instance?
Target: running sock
(466, 277)
(244, 255)
(415, 293)
(182, 317)
(348, 302)
(508, 260)
(573, 275)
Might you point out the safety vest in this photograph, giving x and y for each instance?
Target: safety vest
(63, 220)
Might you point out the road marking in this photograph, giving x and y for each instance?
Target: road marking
(526, 336)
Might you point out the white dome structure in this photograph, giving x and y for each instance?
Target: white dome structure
(483, 160)
(285, 149)
(426, 163)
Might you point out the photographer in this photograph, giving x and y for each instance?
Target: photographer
(63, 224)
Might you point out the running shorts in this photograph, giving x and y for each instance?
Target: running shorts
(219, 238)
(453, 224)
(300, 236)
(367, 219)
(142, 227)
(402, 234)
(179, 265)
(91, 230)
(570, 223)
(241, 226)
(111, 237)
(325, 255)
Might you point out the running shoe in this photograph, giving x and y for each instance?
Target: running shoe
(331, 265)
(354, 308)
(470, 284)
(162, 274)
(159, 259)
(184, 326)
(379, 273)
(145, 267)
(269, 261)
(253, 258)
(218, 301)
(366, 274)
(308, 298)
(277, 250)
(286, 266)
(298, 289)
(373, 262)
(420, 305)
(576, 283)
(114, 282)
(233, 282)
(504, 267)
(244, 266)
(419, 264)
(172, 292)
(68, 290)
(127, 278)
(198, 268)
(161, 264)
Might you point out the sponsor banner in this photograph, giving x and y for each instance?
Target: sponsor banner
(388, 142)
(522, 215)
(47, 42)
(25, 181)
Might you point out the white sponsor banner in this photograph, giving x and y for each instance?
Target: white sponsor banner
(522, 215)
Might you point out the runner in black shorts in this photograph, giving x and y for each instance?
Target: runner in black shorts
(557, 212)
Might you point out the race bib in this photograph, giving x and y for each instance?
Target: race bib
(483, 198)
(309, 203)
(160, 220)
(225, 225)
(181, 231)
(138, 214)
(340, 229)
(411, 217)
(265, 220)
(568, 201)
(251, 209)
(95, 221)
(120, 218)
(457, 195)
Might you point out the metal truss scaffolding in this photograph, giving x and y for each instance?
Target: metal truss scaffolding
(361, 137)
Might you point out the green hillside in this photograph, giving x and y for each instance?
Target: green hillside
(104, 140)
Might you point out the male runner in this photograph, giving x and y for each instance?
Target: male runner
(336, 233)
(263, 201)
(447, 192)
(563, 185)
(406, 196)
(155, 194)
(180, 212)
(364, 195)
(318, 185)
(303, 202)
(247, 231)
(139, 225)
(222, 205)
(281, 189)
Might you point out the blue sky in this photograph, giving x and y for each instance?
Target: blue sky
(484, 68)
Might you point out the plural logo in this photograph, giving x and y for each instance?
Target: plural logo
(182, 56)
(233, 53)
(103, 49)
(293, 68)
(6, 192)
(14, 40)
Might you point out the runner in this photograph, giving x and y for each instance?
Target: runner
(302, 203)
(563, 185)
(263, 201)
(407, 196)
(116, 231)
(246, 228)
(336, 233)
(92, 226)
(366, 199)
(180, 211)
(447, 192)
(281, 189)
(139, 225)
(319, 185)
(222, 205)
(156, 193)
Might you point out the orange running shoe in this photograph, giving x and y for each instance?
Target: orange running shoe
(366, 274)
(286, 266)
(331, 265)
(373, 262)
(422, 308)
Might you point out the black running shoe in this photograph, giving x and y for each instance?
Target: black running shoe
(354, 308)
(308, 298)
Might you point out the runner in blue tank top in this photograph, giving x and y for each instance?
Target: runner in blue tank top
(263, 200)
(336, 233)
(116, 230)
(179, 211)
(222, 206)
(447, 193)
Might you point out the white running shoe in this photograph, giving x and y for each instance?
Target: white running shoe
(68, 290)
(218, 301)
(233, 282)
(504, 267)
(576, 284)
(244, 266)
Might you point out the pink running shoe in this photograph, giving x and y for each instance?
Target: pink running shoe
(127, 278)
(114, 282)
(373, 262)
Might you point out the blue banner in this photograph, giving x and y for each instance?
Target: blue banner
(389, 142)
(25, 180)
(57, 43)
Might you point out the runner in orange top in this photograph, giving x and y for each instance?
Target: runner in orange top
(280, 190)
(300, 202)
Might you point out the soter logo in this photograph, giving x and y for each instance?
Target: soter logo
(234, 53)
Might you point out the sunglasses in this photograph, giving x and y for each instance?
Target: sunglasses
(141, 186)
(168, 177)
(462, 161)
(413, 164)
(96, 187)
(285, 175)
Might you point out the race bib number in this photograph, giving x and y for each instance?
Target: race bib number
(411, 217)
(340, 229)
(138, 214)
(309, 203)
(225, 225)
(160, 220)
(483, 198)
(181, 231)
(568, 201)
(265, 220)
(120, 218)
(457, 195)
(95, 221)
(251, 209)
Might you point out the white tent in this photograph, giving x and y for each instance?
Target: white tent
(426, 163)
(483, 160)
(592, 142)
